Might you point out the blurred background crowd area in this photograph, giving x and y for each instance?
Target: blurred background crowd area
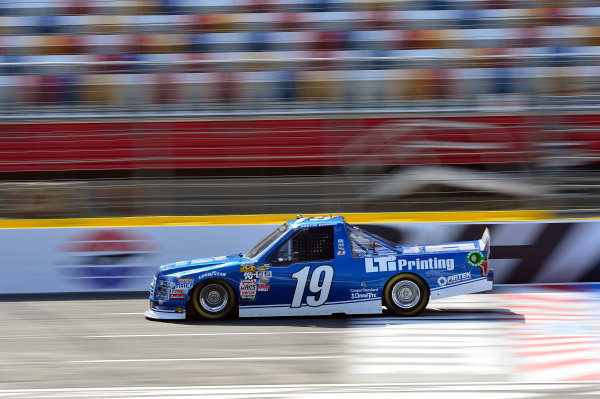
(200, 55)
(150, 107)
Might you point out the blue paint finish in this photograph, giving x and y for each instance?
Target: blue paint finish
(274, 275)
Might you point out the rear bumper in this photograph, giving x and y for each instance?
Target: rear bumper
(158, 315)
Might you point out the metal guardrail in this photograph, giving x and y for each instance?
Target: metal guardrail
(572, 194)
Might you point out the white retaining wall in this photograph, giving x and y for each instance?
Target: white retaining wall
(125, 258)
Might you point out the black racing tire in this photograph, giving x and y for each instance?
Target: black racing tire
(406, 295)
(214, 299)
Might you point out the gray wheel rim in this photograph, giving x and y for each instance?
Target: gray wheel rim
(213, 298)
(406, 294)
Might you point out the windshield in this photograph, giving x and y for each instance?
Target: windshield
(271, 238)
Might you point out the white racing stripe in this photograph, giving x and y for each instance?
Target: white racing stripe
(422, 342)
(219, 334)
(122, 314)
(45, 336)
(443, 362)
(208, 359)
(458, 328)
(390, 348)
(586, 346)
(573, 371)
(428, 369)
(333, 391)
(407, 330)
(439, 350)
(446, 316)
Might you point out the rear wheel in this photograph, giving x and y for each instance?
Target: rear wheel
(213, 299)
(406, 295)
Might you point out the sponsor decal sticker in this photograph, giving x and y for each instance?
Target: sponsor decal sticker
(264, 266)
(185, 283)
(264, 274)
(341, 253)
(453, 279)
(364, 292)
(178, 310)
(310, 225)
(248, 283)
(389, 264)
(212, 274)
(475, 258)
(177, 294)
(264, 281)
(248, 286)
(262, 287)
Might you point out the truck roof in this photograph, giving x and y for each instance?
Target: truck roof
(315, 221)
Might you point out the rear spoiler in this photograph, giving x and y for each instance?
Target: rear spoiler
(484, 242)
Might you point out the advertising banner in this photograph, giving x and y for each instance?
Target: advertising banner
(125, 259)
(109, 259)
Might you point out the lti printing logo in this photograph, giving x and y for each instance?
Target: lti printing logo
(108, 259)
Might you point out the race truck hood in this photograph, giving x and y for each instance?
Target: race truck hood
(203, 264)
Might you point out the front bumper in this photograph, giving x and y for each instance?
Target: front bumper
(158, 315)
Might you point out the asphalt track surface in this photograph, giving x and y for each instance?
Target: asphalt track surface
(527, 342)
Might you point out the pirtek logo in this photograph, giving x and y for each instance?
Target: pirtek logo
(389, 263)
(454, 279)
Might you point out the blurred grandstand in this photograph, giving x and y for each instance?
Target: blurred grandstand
(145, 107)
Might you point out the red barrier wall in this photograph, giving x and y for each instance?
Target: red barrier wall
(291, 142)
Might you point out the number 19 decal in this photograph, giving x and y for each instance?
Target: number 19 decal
(316, 286)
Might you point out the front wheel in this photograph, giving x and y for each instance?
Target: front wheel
(213, 300)
(406, 295)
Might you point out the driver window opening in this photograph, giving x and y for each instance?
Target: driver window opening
(313, 244)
